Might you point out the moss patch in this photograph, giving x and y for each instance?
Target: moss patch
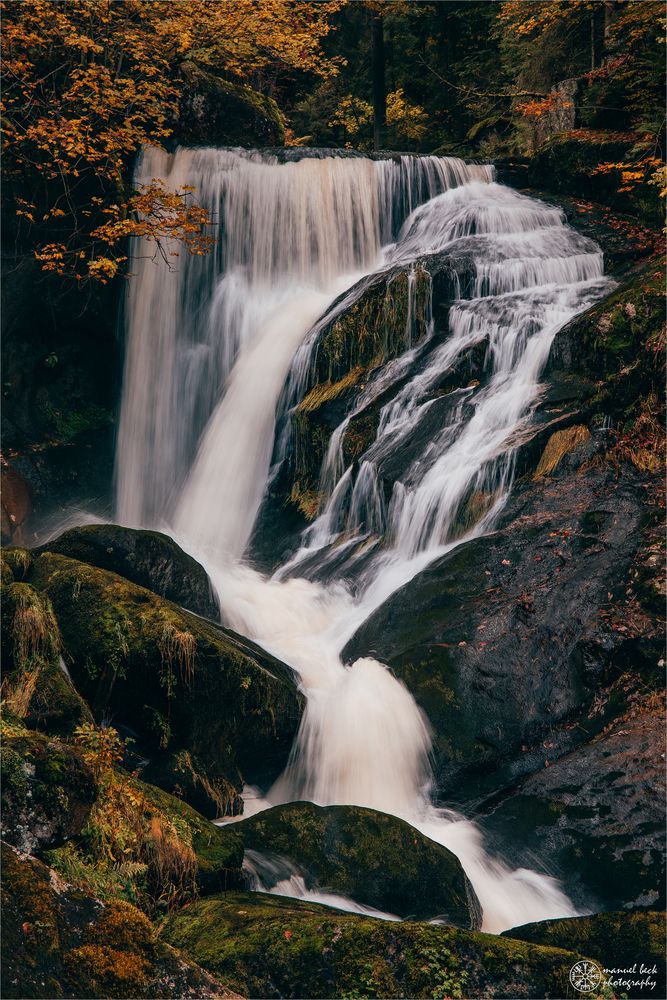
(264, 946)
(182, 683)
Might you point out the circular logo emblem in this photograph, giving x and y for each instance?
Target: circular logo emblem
(585, 976)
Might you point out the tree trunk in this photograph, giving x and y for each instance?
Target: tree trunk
(379, 86)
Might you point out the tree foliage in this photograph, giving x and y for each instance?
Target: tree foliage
(87, 82)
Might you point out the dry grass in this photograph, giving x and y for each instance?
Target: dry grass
(17, 692)
(308, 501)
(172, 864)
(179, 648)
(644, 443)
(560, 444)
(326, 391)
(34, 629)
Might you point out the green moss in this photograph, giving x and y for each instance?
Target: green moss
(59, 942)
(219, 852)
(376, 859)
(136, 654)
(265, 945)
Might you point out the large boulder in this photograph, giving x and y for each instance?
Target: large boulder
(48, 790)
(376, 859)
(183, 686)
(60, 942)
(147, 558)
(597, 815)
(216, 112)
(498, 640)
(268, 946)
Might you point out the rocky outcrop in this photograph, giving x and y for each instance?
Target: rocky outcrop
(267, 946)
(377, 860)
(597, 815)
(185, 687)
(215, 112)
(60, 942)
(48, 791)
(147, 558)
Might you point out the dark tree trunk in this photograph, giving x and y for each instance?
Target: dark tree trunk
(379, 86)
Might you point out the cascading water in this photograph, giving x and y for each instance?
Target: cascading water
(220, 349)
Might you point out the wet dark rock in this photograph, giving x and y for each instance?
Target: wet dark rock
(489, 637)
(376, 859)
(185, 686)
(597, 817)
(47, 791)
(147, 558)
(216, 112)
(60, 942)
(270, 946)
(615, 940)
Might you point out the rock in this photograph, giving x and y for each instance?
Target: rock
(615, 940)
(492, 638)
(147, 558)
(180, 683)
(597, 815)
(270, 946)
(59, 397)
(566, 163)
(215, 112)
(218, 851)
(16, 503)
(47, 791)
(60, 942)
(376, 859)
(36, 687)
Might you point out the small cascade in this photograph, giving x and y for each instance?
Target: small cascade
(220, 352)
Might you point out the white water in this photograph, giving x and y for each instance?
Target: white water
(220, 349)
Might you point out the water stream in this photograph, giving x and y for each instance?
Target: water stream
(219, 351)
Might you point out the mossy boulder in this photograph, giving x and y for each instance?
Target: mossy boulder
(218, 852)
(216, 112)
(48, 791)
(615, 940)
(60, 942)
(267, 946)
(180, 683)
(36, 687)
(569, 162)
(376, 859)
(147, 558)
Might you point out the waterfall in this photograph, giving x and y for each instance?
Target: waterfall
(219, 350)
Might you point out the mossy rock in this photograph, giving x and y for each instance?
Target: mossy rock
(216, 112)
(377, 859)
(19, 561)
(36, 686)
(47, 791)
(615, 940)
(269, 946)
(567, 162)
(219, 852)
(179, 682)
(147, 558)
(59, 942)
